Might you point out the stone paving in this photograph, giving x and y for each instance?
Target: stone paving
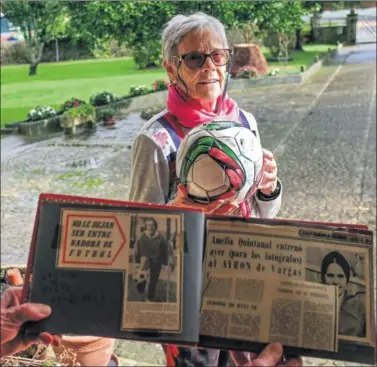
(323, 134)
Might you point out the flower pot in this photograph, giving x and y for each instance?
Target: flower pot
(89, 350)
(114, 361)
(69, 122)
(109, 122)
(14, 277)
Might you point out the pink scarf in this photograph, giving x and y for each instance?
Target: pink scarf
(190, 114)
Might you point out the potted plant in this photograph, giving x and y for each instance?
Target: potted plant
(82, 114)
(102, 99)
(107, 116)
(70, 103)
(89, 350)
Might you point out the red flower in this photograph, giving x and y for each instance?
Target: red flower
(76, 103)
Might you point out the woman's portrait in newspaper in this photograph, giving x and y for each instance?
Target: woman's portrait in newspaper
(153, 260)
(336, 270)
(345, 270)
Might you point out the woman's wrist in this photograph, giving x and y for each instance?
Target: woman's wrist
(272, 196)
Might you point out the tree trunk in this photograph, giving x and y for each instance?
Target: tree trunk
(33, 69)
(35, 60)
(298, 46)
(57, 50)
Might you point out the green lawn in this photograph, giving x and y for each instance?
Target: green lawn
(305, 57)
(57, 82)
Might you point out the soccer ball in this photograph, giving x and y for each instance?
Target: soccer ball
(140, 276)
(219, 160)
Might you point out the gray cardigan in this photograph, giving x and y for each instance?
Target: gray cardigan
(152, 177)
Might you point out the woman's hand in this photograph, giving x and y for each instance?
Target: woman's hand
(270, 179)
(218, 207)
(270, 356)
(13, 315)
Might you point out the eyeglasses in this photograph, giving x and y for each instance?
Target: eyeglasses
(195, 60)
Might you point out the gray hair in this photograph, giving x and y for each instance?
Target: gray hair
(180, 25)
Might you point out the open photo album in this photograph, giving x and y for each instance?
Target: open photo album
(164, 274)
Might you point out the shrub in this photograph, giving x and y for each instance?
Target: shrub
(106, 114)
(102, 98)
(69, 49)
(14, 53)
(248, 32)
(280, 44)
(247, 72)
(274, 72)
(244, 74)
(149, 113)
(41, 113)
(70, 103)
(159, 85)
(139, 90)
(81, 111)
(111, 49)
(147, 54)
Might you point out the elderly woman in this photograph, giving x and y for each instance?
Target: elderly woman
(196, 55)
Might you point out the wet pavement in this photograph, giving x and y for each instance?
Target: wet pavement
(323, 134)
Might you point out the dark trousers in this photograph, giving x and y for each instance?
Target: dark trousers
(190, 357)
(154, 274)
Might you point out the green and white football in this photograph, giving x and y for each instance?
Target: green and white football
(219, 160)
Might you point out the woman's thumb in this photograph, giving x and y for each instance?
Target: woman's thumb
(29, 312)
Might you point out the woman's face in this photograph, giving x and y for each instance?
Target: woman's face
(150, 227)
(205, 83)
(336, 276)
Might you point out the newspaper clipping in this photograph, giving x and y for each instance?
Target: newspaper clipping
(324, 258)
(292, 312)
(153, 300)
(146, 248)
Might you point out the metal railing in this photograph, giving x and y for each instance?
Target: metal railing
(366, 29)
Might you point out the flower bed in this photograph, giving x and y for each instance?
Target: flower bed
(99, 99)
(41, 113)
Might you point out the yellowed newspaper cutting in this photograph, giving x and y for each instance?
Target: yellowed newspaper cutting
(323, 256)
(146, 248)
(293, 312)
